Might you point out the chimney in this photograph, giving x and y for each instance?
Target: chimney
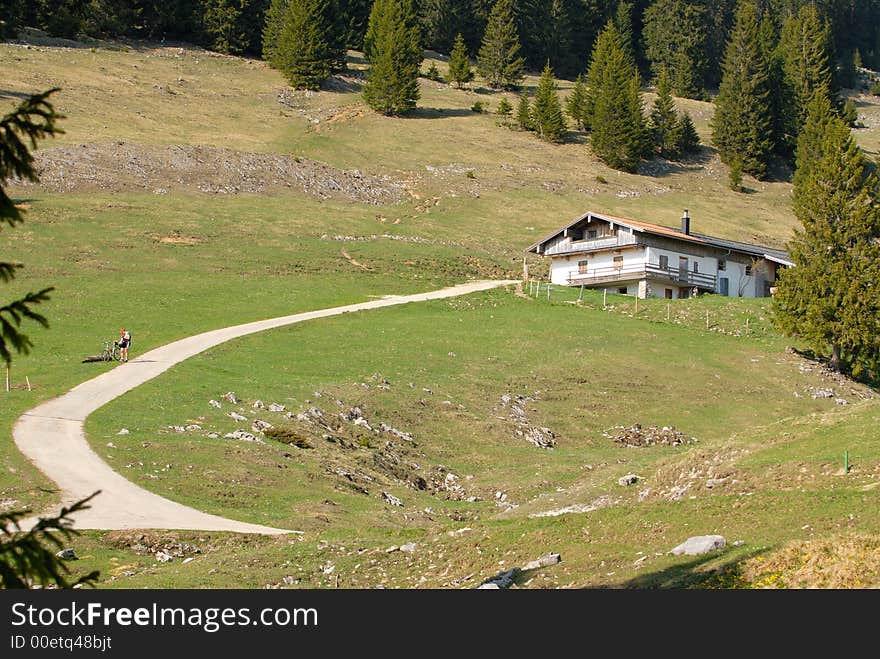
(686, 223)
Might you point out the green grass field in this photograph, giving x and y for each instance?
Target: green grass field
(171, 265)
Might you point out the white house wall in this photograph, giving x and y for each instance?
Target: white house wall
(562, 267)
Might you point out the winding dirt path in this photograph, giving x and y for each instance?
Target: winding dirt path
(52, 437)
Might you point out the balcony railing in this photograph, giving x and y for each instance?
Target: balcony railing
(679, 277)
(590, 245)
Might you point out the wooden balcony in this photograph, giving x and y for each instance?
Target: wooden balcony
(672, 276)
(576, 246)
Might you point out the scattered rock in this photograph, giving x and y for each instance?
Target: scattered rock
(243, 436)
(603, 501)
(544, 561)
(738, 543)
(408, 547)
(231, 397)
(715, 482)
(111, 445)
(259, 405)
(177, 428)
(164, 557)
(67, 555)
(237, 416)
(489, 585)
(629, 479)
(502, 580)
(261, 426)
(275, 407)
(213, 435)
(699, 544)
(123, 431)
(635, 435)
(214, 403)
(841, 401)
(390, 498)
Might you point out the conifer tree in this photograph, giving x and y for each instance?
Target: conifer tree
(392, 85)
(768, 41)
(498, 60)
(547, 111)
(34, 119)
(741, 127)
(686, 139)
(676, 35)
(576, 105)
(618, 125)
(623, 23)
(805, 46)
(304, 53)
(664, 122)
(273, 26)
(830, 298)
(524, 112)
(460, 70)
(810, 145)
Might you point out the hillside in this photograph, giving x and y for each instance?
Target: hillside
(193, 191)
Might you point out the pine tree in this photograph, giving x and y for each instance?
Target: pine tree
(810, 145)
(805, 47)
(686, 139)
(830, 299)
(504, 107)
(524, 112)
(618, 125)
(741, 127)
(547, 111)
(769, 47)
(392, 85)
(498, 60)
(460, 70)
(664, 122)
(576, 105)
(273, 26)
(34, 119)
(304, 54)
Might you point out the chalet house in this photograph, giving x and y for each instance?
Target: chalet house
(650, 260)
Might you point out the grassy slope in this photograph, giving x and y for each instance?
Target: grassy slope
(262, 256)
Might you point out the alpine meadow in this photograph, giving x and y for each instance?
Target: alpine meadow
(428, 294)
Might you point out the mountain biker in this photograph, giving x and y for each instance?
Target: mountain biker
(124, 342)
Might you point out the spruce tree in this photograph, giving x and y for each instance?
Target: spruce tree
(576, 105)
(34, 119)
(524, 112)
(392, 85)
(460, 70)
(618, 125)
(830, 298)
(810, 145)
(676, 36)
(304, 54)
(686, 139)
(742, 125)
(498, 60)
(664, 122)
(805, 47)
(273, 26)
(768, 41)
(547, 111)
(623, 23)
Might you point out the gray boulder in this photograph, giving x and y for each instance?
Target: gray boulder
(629, 479)
(544, 561)
(67, 555)
(699, 544)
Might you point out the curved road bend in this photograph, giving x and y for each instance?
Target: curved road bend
(52, 437)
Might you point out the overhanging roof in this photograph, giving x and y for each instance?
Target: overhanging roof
(769, 253)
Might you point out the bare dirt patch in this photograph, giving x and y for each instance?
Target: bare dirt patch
(125, 166)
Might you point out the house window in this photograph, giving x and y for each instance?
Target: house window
(749, 270)
(582, 267)
(722, 265)
(696, 266)
(664, 261)
(622, 290)
(618, 262)
(668, 293)
(591, 234)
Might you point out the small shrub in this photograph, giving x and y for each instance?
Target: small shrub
(504, 107)
(470, 174)
(478, 107)
(601, 179)
(287, 436)
(433, 74)
(736, 175)
(850, 114)
(875, 90)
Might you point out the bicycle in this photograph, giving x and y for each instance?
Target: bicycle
(110, 352)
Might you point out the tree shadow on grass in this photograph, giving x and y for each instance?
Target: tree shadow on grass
(688, 575)
(438, 113)
(659, 167)
(8, 93)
